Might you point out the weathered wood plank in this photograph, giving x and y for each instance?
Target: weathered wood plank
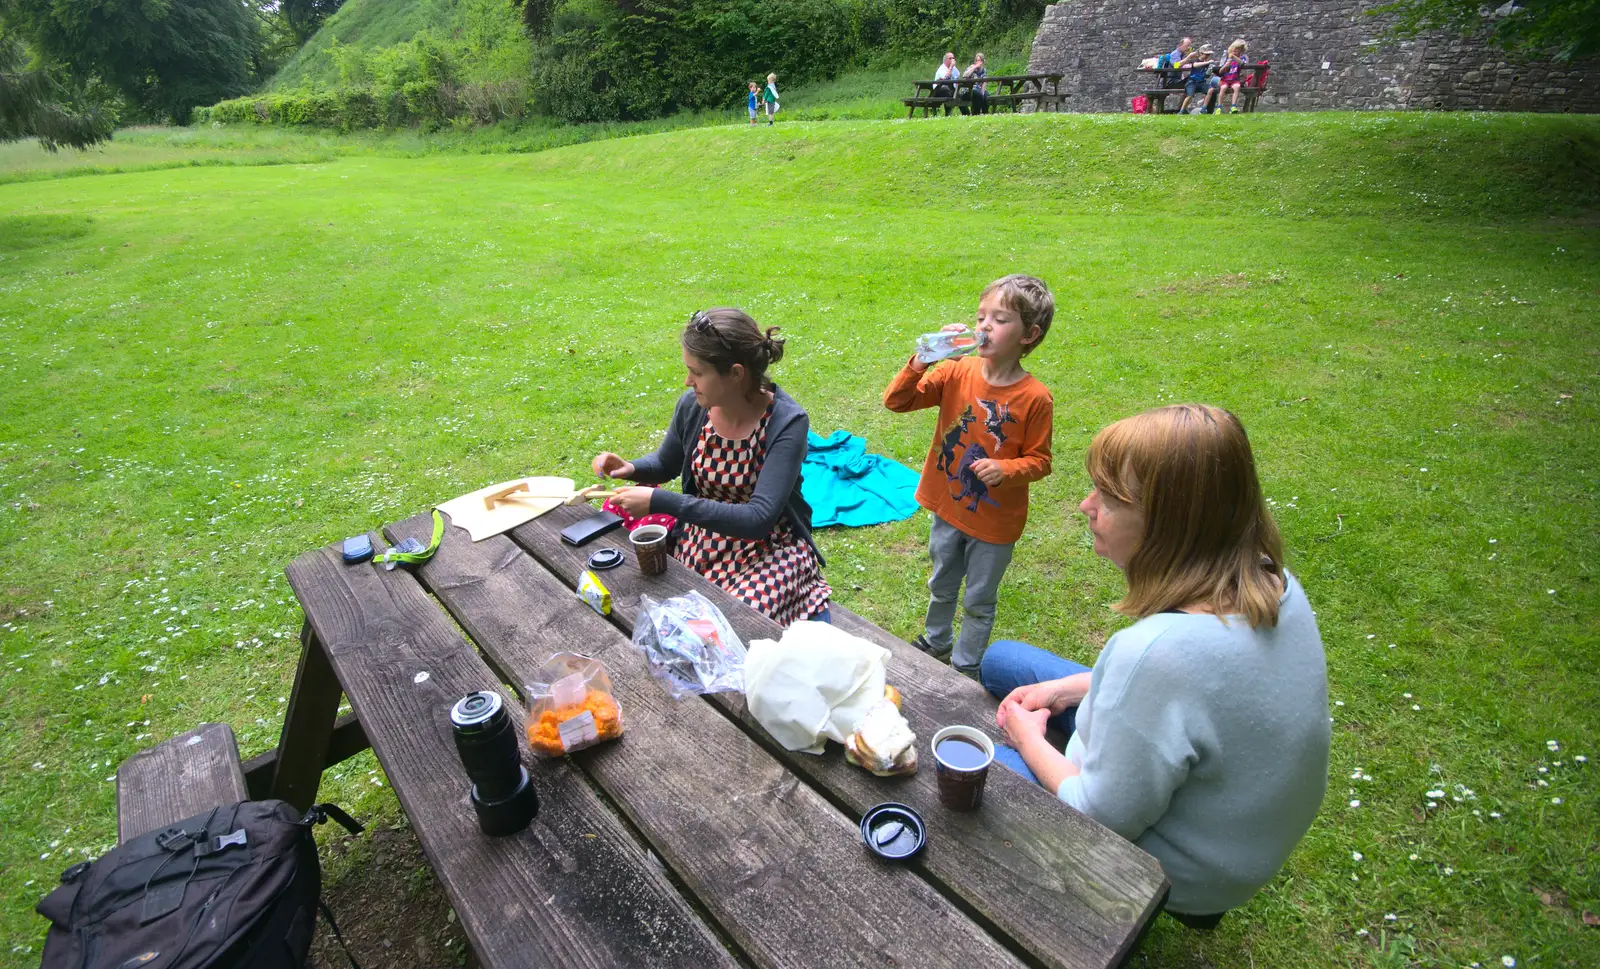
(781, 870)
(1067, 889)
(574, 889)
(307, 725)
(178, 778)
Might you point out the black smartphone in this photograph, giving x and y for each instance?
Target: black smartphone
(597, 524)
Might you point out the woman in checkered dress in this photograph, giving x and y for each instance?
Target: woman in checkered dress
(736, 443)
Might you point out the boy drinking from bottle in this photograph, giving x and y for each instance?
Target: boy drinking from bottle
(993, 439)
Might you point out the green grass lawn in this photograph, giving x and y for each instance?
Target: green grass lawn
(208, 370)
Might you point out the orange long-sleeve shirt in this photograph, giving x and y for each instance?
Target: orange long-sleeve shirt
(1011, 425)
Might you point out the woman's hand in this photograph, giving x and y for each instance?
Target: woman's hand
(1020, 724)
(634, 501)
(608, 465)
(1054, 696)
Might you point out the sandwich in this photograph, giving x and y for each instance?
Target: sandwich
(883, 742)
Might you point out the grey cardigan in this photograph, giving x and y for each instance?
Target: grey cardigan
(777, 493)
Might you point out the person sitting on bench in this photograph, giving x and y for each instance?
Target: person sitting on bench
(1202, 733)
(1200, 79)
(948, 71)
(1232, 74)
(978, 96)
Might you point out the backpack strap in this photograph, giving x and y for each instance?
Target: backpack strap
(322, 812)
(327, 913)
(318, 814)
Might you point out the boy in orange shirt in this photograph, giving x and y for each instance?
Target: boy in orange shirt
(994, 438)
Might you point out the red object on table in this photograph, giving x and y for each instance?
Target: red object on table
(630, 523)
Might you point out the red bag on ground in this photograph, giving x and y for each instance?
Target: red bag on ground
(1141, 105)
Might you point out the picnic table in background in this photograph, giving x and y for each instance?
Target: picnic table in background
(694, 840)
(1010, 90)
(1170, 83)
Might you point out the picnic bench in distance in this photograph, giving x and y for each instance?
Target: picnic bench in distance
(695, 840)
(1254, 85)
(1005, 90)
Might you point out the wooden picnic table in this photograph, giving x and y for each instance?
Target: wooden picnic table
(694, 840)
(1008, 90)
(1171, 84)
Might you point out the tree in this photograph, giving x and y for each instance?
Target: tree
(305, 16)
(1571, 28)
(164, 56)
(35, 102)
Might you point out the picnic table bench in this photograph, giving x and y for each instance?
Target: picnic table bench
(1006, 90)
(1170, 83)
(694, 840)
(177, 779)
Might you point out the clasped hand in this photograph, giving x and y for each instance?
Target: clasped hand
(1025, 710)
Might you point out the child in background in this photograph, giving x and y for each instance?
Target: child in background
(993, 439)
(771, 96)
(1198, 82)
(754, 102)
(1232, 74)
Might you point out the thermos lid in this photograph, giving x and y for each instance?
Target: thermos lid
(476, 710)
(893, 831)
(605, 558)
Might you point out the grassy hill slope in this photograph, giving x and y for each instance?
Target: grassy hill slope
(372, 25)
(1214, 173)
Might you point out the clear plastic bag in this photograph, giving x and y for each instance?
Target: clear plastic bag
(689, 645)
(573, 707)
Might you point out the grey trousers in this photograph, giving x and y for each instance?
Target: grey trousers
(957, 555)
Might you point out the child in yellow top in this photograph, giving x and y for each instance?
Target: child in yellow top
(994, 438)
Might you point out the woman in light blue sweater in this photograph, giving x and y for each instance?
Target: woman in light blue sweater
(1202, 733)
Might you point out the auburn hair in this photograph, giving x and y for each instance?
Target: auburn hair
(1208, 537)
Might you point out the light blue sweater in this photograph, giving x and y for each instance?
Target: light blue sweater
(1206, 744)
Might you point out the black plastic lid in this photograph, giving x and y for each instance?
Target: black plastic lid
(605, 558)
(893, 831)
(475, 711)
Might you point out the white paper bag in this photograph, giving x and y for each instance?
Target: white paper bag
(813, 685)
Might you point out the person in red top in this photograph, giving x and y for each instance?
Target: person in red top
(993, 439)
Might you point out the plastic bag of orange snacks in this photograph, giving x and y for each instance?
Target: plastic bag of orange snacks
(572, 708)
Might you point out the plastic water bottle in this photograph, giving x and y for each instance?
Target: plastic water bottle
(947, 344)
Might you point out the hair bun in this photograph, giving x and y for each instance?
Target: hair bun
(772, 344)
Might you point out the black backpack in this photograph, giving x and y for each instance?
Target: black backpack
(234, 888)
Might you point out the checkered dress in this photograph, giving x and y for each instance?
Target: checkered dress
(778, 575)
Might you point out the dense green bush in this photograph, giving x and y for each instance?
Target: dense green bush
(604, 60)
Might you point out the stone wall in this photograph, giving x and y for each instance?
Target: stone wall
(1324, 55)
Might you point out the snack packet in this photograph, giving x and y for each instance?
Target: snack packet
(572, 708)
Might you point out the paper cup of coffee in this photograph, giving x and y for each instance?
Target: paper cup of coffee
(650, 547)
(961, 759)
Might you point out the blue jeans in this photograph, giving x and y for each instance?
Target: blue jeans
(1009, 664)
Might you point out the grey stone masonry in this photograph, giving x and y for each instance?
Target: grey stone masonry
(1323, 56)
